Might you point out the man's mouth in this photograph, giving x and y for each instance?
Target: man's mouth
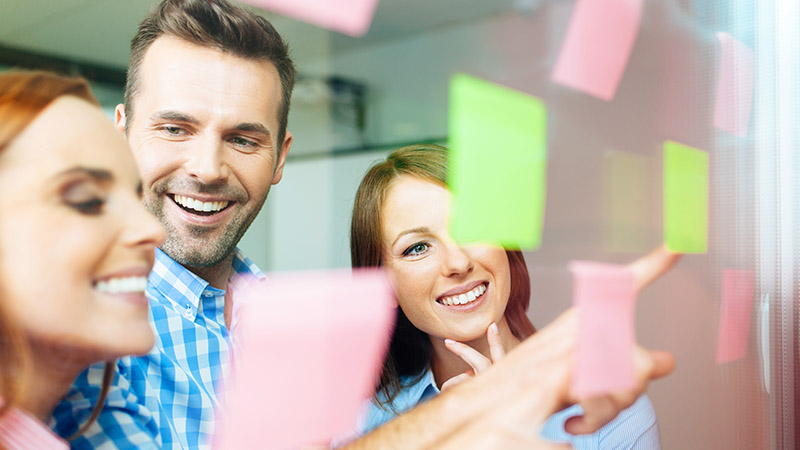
(199, 207)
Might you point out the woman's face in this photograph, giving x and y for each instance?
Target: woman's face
(445, 290)
(76, 244)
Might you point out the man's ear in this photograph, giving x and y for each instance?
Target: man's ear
(285, 146)
(120, 119)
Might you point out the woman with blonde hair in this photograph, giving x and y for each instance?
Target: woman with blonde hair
(76, 247)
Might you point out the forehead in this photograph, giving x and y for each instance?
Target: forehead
(178, 75)
(413, 202)
(69, 132)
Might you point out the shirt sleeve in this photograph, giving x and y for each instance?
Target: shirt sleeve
(124, 423)
(635, 428)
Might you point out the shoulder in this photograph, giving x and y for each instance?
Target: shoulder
(634, 428)
(415, 390)
(126, 421)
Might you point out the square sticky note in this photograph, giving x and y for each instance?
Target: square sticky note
(310, 349)
(497, 164)
(605, 296)
(351, 17)
(736, 309)
(685, 198)
(626, 202)
(735, 84)
(597, 46)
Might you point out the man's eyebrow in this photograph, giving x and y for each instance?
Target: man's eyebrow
(97, 174)
(252, 127)
(173, 116)
(411, 231)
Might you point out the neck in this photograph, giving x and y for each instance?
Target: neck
(53, 370)
(216, 275)
(446, 364)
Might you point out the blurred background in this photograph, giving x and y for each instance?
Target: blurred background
(358, 99)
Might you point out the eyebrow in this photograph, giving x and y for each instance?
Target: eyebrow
(252, 127)
(174, 116)
(411, 231)
(97, 174)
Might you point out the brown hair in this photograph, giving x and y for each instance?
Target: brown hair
(23, 96)
(219, 25)
(410, 349)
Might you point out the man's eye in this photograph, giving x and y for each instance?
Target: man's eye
(242, 142)
(173, 131)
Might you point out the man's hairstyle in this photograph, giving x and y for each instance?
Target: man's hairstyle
(219, 25)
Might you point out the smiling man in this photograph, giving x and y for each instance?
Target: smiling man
(205, 113)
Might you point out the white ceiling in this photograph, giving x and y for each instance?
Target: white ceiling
(99, 31)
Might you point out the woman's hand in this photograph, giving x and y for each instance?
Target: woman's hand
(474, 358)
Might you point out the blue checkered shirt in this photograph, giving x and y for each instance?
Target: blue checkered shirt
(167, 398)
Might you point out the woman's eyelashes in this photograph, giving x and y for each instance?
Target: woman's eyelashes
(417, 249)
(84, 199)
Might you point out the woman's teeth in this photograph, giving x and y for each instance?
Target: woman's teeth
(197, 205)
(124, 285)
(463, 299)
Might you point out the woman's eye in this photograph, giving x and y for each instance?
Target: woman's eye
(90, 207)
(416, 249)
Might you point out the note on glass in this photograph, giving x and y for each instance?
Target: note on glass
(351, 17)
(626, 202)
(738, 289)
(735, 83)
(597, 46)
(685, 198)
(311, 346)
(605, 295)
(497, 164)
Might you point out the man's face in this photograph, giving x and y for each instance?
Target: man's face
(203, 132)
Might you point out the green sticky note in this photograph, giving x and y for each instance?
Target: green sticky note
(497, 164)
(685, 198)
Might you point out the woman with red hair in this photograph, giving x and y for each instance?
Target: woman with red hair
(76, 246)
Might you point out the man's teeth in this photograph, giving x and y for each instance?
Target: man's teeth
(463, 299)
(197, 205)
(124, 285)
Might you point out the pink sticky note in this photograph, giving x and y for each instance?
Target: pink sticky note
(351, 17)
(311, 346)
(735, 84)
(605, 295)
(738, 289)
(597, 46)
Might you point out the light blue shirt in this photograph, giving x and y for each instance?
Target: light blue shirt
(168, 397)
(634, 428)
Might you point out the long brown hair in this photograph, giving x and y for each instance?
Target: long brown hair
(23, 96)
(410, 349)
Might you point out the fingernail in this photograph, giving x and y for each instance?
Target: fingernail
(449, 341)
(493, 327)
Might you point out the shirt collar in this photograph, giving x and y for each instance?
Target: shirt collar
(185, 289)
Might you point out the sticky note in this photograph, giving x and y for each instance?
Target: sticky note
(351, 17)
(497, 164)
(685, 198)
(605, 296)
(311, 347)
(735, 84)
(736, 308)
(626, 202)
(597, 46)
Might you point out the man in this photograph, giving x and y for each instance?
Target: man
(206, 106)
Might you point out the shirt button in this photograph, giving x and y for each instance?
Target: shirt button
(208, 294)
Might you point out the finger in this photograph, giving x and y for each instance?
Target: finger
(478, 362)
(496, 349)
(650, 267)
(455, 380)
